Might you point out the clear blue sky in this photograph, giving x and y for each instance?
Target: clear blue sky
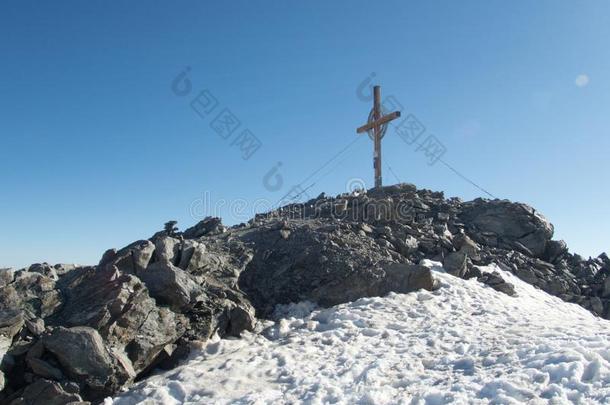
(97, 151)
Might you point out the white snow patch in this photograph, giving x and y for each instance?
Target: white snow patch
(464, 343)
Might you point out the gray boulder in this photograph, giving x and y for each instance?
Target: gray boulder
(404, 278)
(394, 277)
(595, 305)
(456, 263)
(507, 225)
(11, 322)
(463, 243)
(170, 285)
(605, 290)
(192, 255)
(167, 249)
(31, 292)
(141, 254)
(63, 268)
(35, 326)
(43, 369)
(555, 285)
(555, 250)
(319, 264)
(44, 269)
(407, 246)
(495, 281)
(207, 226)
(84, 358)
(131, 259)
(7, 275)
(223, 310)
(45, 392)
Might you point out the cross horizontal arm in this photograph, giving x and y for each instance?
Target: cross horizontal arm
(379, 122)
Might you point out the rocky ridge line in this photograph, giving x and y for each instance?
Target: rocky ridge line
(70, 334)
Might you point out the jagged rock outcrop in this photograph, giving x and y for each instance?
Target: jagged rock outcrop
(120, 308)
(70, 333)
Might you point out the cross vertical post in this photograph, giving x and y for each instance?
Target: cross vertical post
(376, 128)
(377, 134)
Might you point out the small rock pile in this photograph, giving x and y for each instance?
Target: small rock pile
(76, 334)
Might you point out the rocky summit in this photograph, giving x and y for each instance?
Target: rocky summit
(76, 334)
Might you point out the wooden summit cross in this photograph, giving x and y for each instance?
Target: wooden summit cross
(376, 127)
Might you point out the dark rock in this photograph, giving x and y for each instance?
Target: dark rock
(292, 273)
(63, 268)
(241, 318)
(366, 228)
(171, 355)
(167, 250)
(224, 308)
(192, 255)
(555, 250)
(456, 264)
(140, 253)
(7, 276)
(44, 269)
(108, 258)
(45, 392)
(120, 308)
(528, 275)
(35, 326)
(132, 259)
(596, 305)
(495, 281)
(605, 292)
(84, 357)
(405, 278)
(473, 272)
(407, 246)
(33, 293)
(557, 286)
(398, 188)
(44, 369)
(357, 266)
(170, 285)
(208, 226)
(463, 243)
(511, 224)
(11, 322)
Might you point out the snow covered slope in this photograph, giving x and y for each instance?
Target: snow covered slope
(464, 343)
